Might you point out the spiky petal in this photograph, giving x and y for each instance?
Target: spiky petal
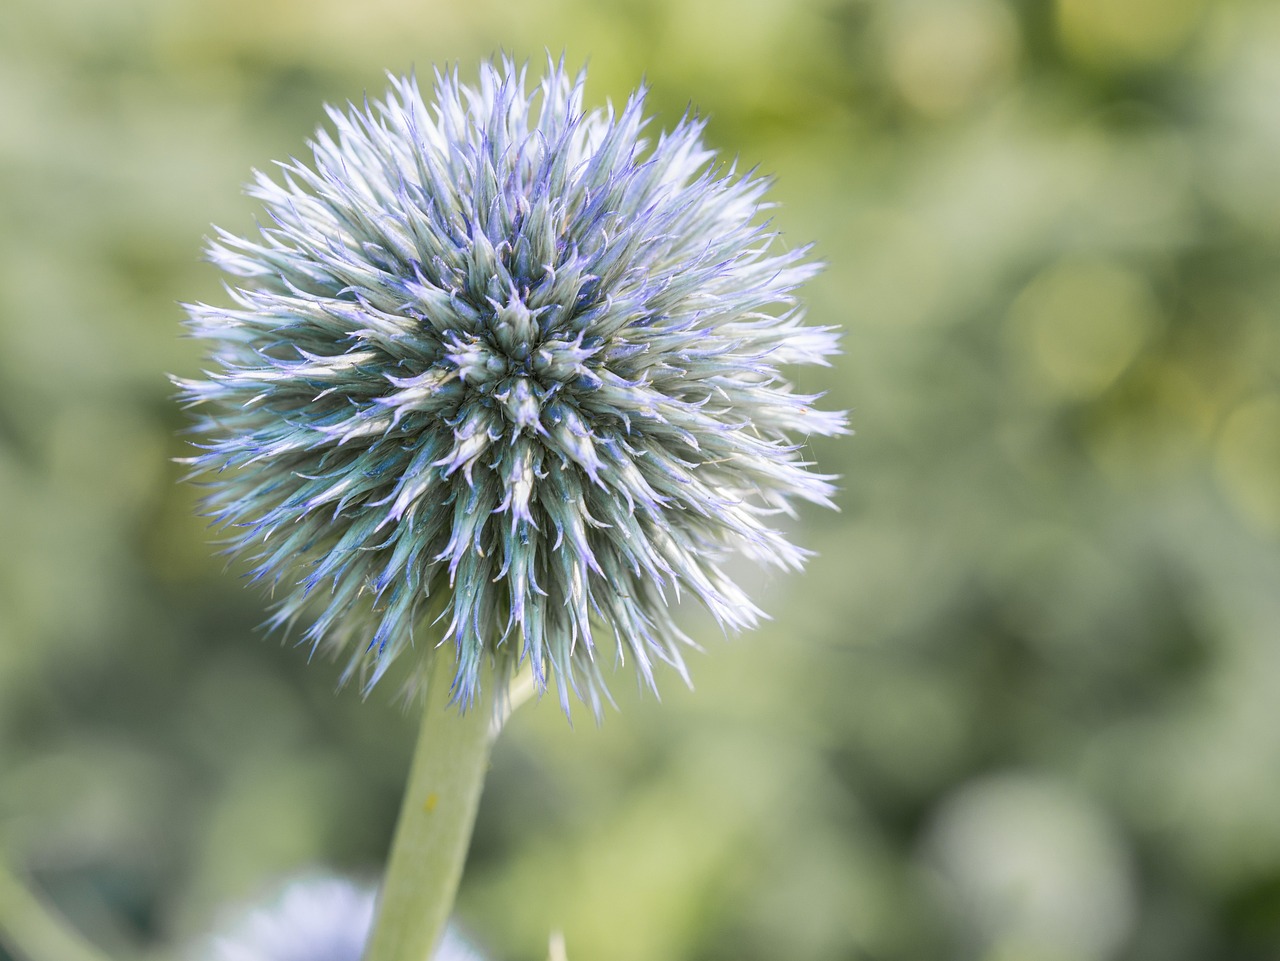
(500, 366)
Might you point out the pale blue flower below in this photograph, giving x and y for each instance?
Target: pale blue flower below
(502, 373)
(317, 919)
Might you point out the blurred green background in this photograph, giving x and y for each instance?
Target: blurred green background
(1024, 705)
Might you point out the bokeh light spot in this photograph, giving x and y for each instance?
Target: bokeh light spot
(1126, 32)
(945, 55)
(1079, 324)
(1035, 868)
(1248, 460)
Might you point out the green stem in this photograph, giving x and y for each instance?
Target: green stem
(33, 931)
(436, 818)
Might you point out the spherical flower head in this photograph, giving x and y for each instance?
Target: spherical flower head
(503, 372)
(314, 919)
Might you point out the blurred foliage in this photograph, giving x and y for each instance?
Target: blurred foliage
(1024, 703)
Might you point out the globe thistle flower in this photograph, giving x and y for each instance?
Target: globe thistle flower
(503, 366)
(314, 919)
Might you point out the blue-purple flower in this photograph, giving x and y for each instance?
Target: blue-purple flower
(503, 376)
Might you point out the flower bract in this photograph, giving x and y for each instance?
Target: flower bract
(503, 378)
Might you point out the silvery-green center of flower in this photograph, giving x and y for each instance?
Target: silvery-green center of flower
(511, 363)
(523, 376)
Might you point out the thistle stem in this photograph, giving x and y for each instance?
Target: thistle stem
(436, 818)
(33, 930)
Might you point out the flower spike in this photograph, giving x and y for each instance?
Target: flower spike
(501, 365)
